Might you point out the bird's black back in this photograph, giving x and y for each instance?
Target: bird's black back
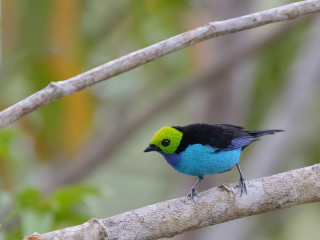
(220, 137)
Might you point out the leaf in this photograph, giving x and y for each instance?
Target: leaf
(29, 198)
(67, 197)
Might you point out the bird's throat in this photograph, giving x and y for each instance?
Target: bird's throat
(172, 159)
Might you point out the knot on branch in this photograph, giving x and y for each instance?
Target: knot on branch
(35, 236)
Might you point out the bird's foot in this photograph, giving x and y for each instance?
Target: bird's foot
(192, 194)
(242, 186)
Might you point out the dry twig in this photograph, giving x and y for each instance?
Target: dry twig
(56, 90)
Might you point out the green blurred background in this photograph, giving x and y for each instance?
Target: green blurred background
(82, 156)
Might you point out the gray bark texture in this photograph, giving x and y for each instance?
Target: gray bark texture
(217, 205)
(56, 90)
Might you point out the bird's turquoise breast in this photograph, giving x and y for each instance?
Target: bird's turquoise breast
(199, 160)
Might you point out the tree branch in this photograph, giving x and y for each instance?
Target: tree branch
(217, 205)
(56, 90)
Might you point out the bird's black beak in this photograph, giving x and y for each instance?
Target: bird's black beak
(151, 148)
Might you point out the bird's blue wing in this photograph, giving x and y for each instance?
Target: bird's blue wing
(236, 143)
(241, 142)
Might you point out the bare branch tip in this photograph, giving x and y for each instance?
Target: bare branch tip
(34, 236)
(54, 85)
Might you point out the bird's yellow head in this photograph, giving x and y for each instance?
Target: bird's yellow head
(167, 139)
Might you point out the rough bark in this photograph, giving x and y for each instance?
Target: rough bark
(217, 205)
(56, 90)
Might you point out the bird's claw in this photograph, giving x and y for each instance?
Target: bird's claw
(242, 186)
(192, 194)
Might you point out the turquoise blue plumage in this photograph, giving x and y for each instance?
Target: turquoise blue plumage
(199, 160)
(203, 149)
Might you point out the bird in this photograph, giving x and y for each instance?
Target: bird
(203, 149)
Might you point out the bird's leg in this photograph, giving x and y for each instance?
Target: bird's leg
(242, 184)
(193, 191)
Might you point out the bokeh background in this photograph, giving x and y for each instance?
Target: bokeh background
(82, 156)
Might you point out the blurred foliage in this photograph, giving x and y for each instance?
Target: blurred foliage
(44, 41)
(272, 72)
(39, 213)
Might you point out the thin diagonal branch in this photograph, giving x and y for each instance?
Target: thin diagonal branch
(217, 205)
(56, 90)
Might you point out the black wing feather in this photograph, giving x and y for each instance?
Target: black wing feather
(221, 137)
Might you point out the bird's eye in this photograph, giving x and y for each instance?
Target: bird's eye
(165, 142)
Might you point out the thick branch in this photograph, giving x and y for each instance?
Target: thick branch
(59, 89)
(217, 205)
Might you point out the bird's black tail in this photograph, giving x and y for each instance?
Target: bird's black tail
(257, 133)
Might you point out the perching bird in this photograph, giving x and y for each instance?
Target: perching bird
(203, 149)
